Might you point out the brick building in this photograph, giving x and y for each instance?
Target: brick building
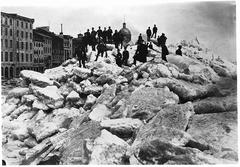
(16, 44)
(38, 52)
(67, 40)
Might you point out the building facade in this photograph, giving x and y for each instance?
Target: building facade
(17, 44)
(47, 45)
(67, 44)
(38, 52)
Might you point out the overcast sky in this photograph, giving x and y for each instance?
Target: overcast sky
(214, 23)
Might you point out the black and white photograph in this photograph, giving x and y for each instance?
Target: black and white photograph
(119, 82)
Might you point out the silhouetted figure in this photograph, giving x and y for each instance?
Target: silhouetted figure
(178, 51)
(154, 31)
(125, 56)
(101, 49)
(116, 38)
(150, 45)
(93, 39)
(162, 40)
(3, 163)
(164, 52)
(140, 39)
(85, 42)
(149, 33)
(81, 55)
(104, 35)
(119, 58)
(121, 37)
(109, 34)
(99, 32)
(141, 53)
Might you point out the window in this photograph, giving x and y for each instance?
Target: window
(26, 57)
(6, 31)
(21, 24)
(18, 57)
(22, 34)
(2, 43)
(6, 43)
(22, 46)
(11, 32)
(26, 46)
(1, 31)
(17, 44)
(22, 57)
(26, 35)
(17, 23)
(11, 43)
(1, 56)
(6, 21)
(30, 25)
(17, 33)
(30, 35)
(26, 25)
(6, 56)
(10, 21)
(31, 57)
(30, 46)
(11, 57)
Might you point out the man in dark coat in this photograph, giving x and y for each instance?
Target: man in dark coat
(101, 49)
(125, 56)
(154, 31)
(149, 33)
(93, 39)
(109, 34)
(178, 51)
(116, 38)
(99, 32)
(164, 52)
(81, 55)
(162, 40)
(150, 46)
(104, 35)
(140, 39)
(119, 58)
(141, 53)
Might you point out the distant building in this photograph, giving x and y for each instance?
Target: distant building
(38, 52)
(68, 49)
(47, 45)
(126, 33)
(16, 44)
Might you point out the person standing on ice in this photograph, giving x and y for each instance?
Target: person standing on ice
(162, 40)
(104, 35)
(101, 49)
(178, 51)
(116, 39)
(154, 31)
(140, 39)
(93, 39)
(149, 33)
(109, 34)
(141, 53)
(125, 56)
(119, 58)
(81, 55)
(99, 32)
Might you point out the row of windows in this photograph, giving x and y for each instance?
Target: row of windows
(20, 45)
(38, 52)
(9, 21)
(38, 44)
(47, 50)
(27, 34)
(19, 57)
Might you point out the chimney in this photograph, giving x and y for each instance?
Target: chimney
(61, 33)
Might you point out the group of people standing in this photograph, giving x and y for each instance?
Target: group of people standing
(100, 38)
